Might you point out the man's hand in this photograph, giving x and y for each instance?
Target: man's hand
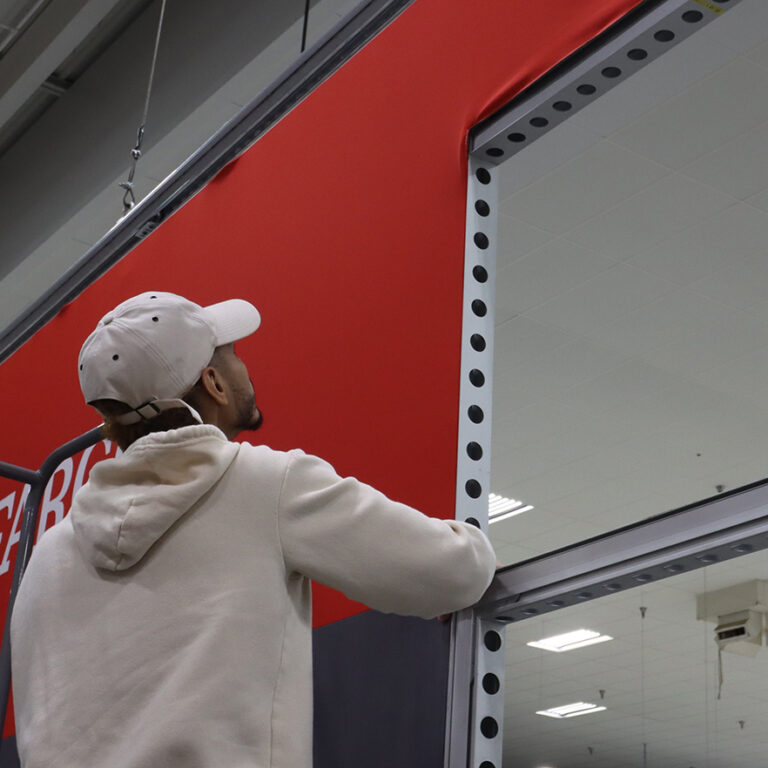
(447, 616)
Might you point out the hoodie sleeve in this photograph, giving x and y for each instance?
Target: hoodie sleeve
(351, 537)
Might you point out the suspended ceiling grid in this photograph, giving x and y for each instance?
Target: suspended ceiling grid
(659, 677)
(632, 317)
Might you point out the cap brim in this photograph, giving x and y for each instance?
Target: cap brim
(232, 320)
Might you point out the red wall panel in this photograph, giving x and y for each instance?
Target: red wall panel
(345, 226)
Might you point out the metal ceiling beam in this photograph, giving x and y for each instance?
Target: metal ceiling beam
(693, 537)
(311, 69)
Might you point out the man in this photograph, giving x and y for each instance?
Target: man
(166, 622)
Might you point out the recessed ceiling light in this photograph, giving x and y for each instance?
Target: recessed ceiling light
(571, 710)
(500, 507)
(570, 640)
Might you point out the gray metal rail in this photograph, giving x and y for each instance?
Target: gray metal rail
(37, 480)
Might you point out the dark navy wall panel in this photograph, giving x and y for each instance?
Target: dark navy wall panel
(381, 685)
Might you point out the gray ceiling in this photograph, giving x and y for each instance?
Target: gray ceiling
(72, 90)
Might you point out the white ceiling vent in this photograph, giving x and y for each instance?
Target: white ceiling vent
(738, 612)
(740, 632)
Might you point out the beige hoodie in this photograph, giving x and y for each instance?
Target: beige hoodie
(166, 623)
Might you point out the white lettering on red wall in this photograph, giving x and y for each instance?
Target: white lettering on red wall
(65, 482)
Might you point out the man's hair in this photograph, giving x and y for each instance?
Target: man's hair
(174, 418)
(125, 434)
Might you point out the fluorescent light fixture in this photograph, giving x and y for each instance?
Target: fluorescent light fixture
(571, 710)
(570, 640)
(500, 507)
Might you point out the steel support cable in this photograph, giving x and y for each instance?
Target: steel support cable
(129, 199)
(37, 482)
(304, 27)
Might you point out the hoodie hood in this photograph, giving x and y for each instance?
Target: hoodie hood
(129, 502)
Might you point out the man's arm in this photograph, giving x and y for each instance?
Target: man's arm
(351, 537)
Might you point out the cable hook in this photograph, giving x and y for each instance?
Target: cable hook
(129, 199)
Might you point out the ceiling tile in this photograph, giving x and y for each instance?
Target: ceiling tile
(689, 351)
(517, 239)
(520, 339)
(713, 111)
(554, 148)
(739, 286)
(544, 273)
(741, 28)
(599, 178)
(760, 200)
(759, 54)
(678, 315)
(564, 535)
(601, 300)
(541, 419)
(519, 528)
(744, 377)
(713, 243)
(738, 167)
(659, 211)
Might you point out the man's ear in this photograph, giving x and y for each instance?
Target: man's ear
(214, 385)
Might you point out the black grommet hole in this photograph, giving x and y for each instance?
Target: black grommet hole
(584, 595)
(664, 35)
(473, 489)
(475, 451)
(475, 413)
(557, 603)
(155, 319)
(562, 106)
(489, 727)
(481, 240)
(586, 89)
(516, 138)
(693, 16)
(480, 274)
(153, 297)
(477, 341)
(674, 568)
(476, 377)
(81, 367)
(611, 72)
(479, 308)
(494, 152)
(491, 683)
(482, 207)
(115, 357)
(492, 640)
(487, 764)
(473, 521)
(531, 611)
(637, 54)
(483, 176)
(644, 578)
(539, 122)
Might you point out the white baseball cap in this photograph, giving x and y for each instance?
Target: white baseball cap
(149, 351)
